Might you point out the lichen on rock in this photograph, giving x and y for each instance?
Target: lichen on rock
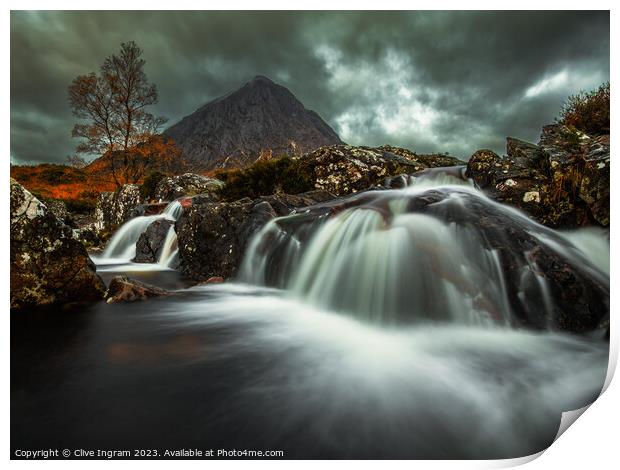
(48, 264)
(114, 208)
(344, 169)
(562, 182)
(188, 184)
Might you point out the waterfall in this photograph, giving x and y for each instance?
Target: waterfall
(407, 312)
(590, 242)
(419, 253)
(170, 251)
(122, 246)
(173, 210)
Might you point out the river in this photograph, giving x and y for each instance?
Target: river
(306, 367)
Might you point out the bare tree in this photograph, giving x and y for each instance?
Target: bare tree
(76, 161)
(113, 104)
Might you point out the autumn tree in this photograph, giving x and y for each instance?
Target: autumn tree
(76, 161)
(113, 108)
(157, 153)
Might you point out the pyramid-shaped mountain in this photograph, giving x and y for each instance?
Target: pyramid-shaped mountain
(234, 129)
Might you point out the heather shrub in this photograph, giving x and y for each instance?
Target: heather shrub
(588, 111)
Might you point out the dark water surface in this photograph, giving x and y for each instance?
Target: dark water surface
(236, 367)
(323, 368)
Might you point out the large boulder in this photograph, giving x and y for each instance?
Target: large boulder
(123, 289)
(188, 184)
(58, 208)
(343, 169)
(579, 171)
(213, 236)
(150, 244)
(48, 264)
(483, 166)
(114, 208)
(518, 179)
(425, 160)
(562, 182)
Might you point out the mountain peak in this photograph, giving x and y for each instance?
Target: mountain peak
(261, 80)
(261, 115)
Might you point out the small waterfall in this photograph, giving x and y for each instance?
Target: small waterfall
(360, 264)
(593, 244)
(173, 210)
(122, 246)
(420, 253)
(169, 255)
(170, 251)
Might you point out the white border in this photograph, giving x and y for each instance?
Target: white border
(590, 443)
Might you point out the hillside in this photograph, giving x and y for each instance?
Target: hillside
(60, 181)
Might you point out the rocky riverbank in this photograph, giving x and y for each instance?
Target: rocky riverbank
(561, 182)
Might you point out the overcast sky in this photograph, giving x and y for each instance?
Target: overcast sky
(428, 81)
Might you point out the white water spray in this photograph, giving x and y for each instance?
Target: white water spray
(170, 251)
(325, 355)
(122, 246)
(378, 261)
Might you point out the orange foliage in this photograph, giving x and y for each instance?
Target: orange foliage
(67, 182)
(158, 153)
(60, 181)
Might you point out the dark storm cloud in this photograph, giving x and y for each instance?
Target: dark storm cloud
(430, 81)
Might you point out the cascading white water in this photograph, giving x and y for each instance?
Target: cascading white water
(358, 265)
(170, 250)
(293, 369)
(173, 210)
(122, 246)
(593, 243)
(419, 391)
(380, 262)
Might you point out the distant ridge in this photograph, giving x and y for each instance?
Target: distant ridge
(233, 129)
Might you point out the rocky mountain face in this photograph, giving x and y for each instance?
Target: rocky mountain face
(234, 129)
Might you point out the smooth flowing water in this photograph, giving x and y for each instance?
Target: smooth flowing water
(307, 352)
(378, 261)
(240, 367)
(121, 248)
